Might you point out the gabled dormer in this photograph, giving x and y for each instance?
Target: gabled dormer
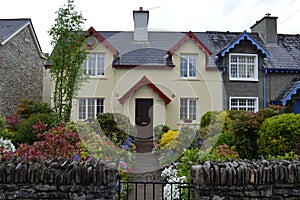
(243, 57)
(191, 55)
(100, 54)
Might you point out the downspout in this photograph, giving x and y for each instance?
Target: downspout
(223, 88)
(265, 88)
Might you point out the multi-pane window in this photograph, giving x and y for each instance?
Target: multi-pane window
(188, 109)
(244, 103)
(188, 64)
(94, 64)
(243, 67)
(89, 108)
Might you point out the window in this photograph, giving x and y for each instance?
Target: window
(89, 108)
(188, 64)
(243, 67)
(244, 103)
(188, 109)
(94, 64)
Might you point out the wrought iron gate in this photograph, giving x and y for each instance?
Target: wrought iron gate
(150, 186)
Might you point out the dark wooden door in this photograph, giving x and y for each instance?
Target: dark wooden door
(144, 117)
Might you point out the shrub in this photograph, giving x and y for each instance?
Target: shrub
(27, 107)
(58, 142)
(27, 132)
(244, 127)
(116, 127)
(159, 130)
(278, 134)
(13, 122)
(167, 138)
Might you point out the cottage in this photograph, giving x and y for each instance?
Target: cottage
(173, 78)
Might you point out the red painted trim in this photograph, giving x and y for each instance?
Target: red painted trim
(140, 83)
(192, 36)
(92, 32)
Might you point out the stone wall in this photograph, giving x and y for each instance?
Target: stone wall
(246, 180)
(21, 72)
(56, 179)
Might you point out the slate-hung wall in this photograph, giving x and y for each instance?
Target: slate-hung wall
(21, 65)
(244, 88)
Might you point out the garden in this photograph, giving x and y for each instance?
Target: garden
(34, 133)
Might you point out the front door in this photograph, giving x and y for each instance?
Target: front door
(144, 117)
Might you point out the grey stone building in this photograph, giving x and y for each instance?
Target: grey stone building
(21, 64)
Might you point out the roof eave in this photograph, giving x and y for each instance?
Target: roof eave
(244, 36)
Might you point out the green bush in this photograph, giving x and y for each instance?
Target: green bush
(27, 107)
(27, 134)
(116, 127)
(159, 130)
(244, 128)
(278, 135)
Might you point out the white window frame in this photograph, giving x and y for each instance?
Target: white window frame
(83, 110)
(98, 67)
(246, 65)
(188, 57)
(246, 107)
(186, 116)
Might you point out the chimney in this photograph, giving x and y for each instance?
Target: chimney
(141, 19)
(267, 27)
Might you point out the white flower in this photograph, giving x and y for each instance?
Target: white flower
(7, 144)
(171, 191)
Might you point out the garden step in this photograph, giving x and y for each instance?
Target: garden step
(143, 145)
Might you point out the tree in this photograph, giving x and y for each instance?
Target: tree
(68, 54)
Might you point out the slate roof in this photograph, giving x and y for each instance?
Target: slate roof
(287, 93)
(283, 56)
(8, 27)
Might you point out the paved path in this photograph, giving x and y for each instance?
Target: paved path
(146, 169)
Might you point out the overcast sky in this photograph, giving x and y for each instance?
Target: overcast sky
(171, 15)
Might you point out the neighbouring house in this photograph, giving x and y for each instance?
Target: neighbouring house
(258, 68)
(173, 78)
(21, 64)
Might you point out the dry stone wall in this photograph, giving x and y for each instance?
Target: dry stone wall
(246, 180)
(57, 179)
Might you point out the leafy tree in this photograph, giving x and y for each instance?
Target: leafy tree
(67, 57)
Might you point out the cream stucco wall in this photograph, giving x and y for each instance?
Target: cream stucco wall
(206, 87)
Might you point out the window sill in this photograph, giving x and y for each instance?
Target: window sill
(185, 123)
(189, 79)
(244, 80)
(98, 77)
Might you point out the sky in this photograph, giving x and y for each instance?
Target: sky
(169, 15)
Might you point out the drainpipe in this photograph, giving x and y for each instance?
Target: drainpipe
(223, 88)
(265, 88)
